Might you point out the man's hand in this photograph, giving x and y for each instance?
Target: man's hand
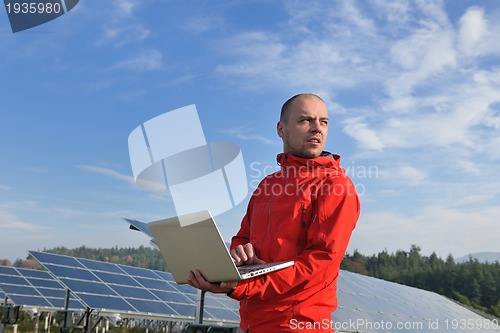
(245, 255)
(197, 281)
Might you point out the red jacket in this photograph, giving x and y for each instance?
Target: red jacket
(305, 212)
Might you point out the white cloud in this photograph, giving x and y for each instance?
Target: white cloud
(122, 26)
(125, 7)
(157, 190)
(433, 228)
(312, 64)
(10, 221)
(107, 172)
(247, 134)
(456, 114)
(432, 9)
(354, 15)
(367, 138)
(473, 28)
(469, 167)
(427, 93)
(5, 187)
(146, 60)
(397, 12)
(426, 52)
(123, 35)
(409, 175)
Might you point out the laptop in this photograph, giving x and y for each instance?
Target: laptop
(193, 241)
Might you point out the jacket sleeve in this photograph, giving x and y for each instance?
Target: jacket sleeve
(327, 239)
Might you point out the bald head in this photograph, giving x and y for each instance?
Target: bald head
(287, 106)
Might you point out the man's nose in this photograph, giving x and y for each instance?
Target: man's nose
(316, 126)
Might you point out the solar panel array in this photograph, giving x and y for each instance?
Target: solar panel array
(133, 291)
(367, 304)
(34, 288)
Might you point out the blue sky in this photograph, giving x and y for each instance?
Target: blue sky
(412, 87)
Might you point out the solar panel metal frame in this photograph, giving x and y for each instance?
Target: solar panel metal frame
(134, 292)
(34, 289)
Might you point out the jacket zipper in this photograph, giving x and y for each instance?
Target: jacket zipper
(269, 208)
(303, 226)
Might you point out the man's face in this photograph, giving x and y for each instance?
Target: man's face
(305, 128)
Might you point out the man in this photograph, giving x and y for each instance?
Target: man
(305, 212)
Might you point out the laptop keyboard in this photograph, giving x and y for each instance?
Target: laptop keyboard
(246, 270)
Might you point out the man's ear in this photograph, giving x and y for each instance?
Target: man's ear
(279, 129)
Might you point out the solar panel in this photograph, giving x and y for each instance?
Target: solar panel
(34, 288)
(134, 291)
(367, 304)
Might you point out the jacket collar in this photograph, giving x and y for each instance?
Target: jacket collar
(326, 159)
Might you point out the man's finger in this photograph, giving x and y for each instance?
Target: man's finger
(192, 281)
(248, 249)
(241, 253)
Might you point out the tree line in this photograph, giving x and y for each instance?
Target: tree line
(471, 282)
(144, 257)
